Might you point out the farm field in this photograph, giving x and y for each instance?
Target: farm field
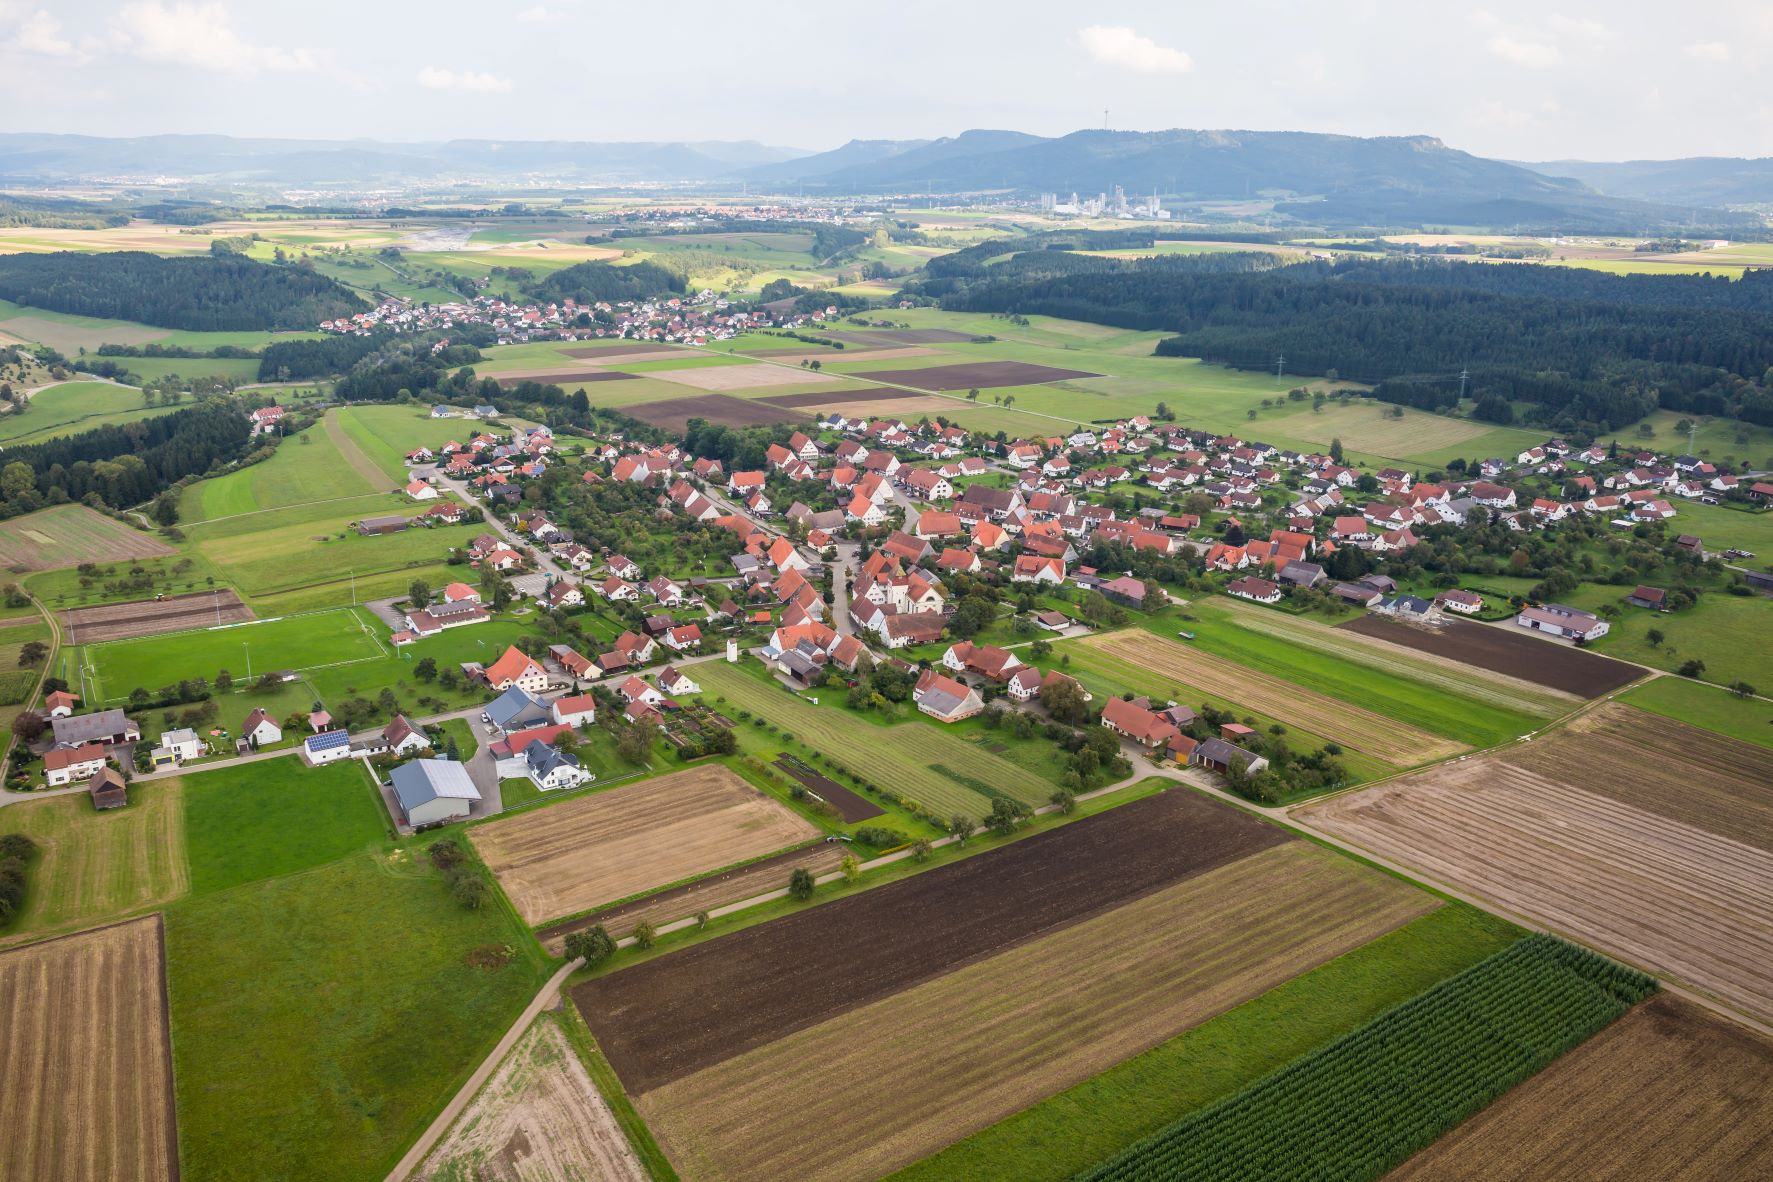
(1512, 654)
(1436, 1059)
(1167, 663)
(538, 1116)
(1707, 707)
(127, 621)
(374, 995)
(93, 866)
(70, 407)
(306, 470)
(916, 759)
(724, 410)
(608, 846)
(68, 333)
(1055, 1139)
(1386, 653)
(111, 670)
(85, 1064)
(1368, 432)
(386, 432)
(1669, 1091)
(255, 821)
(65, 535)
(672, 1016)
(1732, 634)
(1045, 1015)
(1665, 861)
(704, 894)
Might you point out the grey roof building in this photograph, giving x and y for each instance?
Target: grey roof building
(101, 726)
(433, 790)
(515, 707)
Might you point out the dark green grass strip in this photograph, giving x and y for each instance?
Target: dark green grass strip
(1366, 1102)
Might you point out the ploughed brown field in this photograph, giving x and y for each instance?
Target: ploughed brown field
(704, 894)
(1499, 650)
(981, 375)
(829, 355)
(829, 397)
(1631, 832)
(915, 336)
(617, 351)
(1668, 1092)
(612, 845)
(667, 1018)
(85, 1060)
(1358, 729)
(723, 410)
(558, 377)
(936, 1062)
(146, 617)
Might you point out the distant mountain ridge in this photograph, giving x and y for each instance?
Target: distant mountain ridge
(1693, 180)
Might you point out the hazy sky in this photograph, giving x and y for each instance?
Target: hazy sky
(1542, 80)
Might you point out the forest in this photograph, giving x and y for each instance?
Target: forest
(208, 293)
(1585, 349)
(123, 464)
(593, 281)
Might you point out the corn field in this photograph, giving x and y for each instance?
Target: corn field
(1360, 1105)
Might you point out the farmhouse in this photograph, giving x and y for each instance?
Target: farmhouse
(260, 729)
(1135, 721)
(432, 791)
(1569, 622)
(517, 668)
(65, 765)
(1457, 599)
(402, 737)
(574, 710)
(326, 747)
(1252, 588)
(945, 699)
(1219, 756)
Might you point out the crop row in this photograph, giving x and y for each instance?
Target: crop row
(1358, 1106)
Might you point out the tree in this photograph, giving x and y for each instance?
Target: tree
(592, 945)
(920, 850)
(1064, 700)
(419, 594)
(1336, 450)
(960, 827)
(634, 744)
(1742, 689)
(1655, 637)
(645, 935)
(16, 479)
(31, 653)
(29, 726)
(801, 885)
(1694, 668)
(852, 869)
(1005, 815)
(139, 698)
(224, 680)
(17, 845)
(1064, 801)
(470, 890)
(426, 669)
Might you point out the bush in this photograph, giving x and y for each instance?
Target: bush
(645, 935)
(17, 845)
(1064, 800)
(446, 854)
(879, 837)
(469, 889)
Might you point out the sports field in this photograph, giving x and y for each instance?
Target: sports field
(341, 636)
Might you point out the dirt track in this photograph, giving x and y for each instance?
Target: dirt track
(85, 1063)
(1667, 1092)
(1675, 898)
(608, 846)
(539, 1116)
(1557, 666)
(147, 617)
(666, 1018)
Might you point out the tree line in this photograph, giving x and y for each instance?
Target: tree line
(1586, 349)
(209, 293)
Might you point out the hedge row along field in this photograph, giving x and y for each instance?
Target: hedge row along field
(1364, 1103)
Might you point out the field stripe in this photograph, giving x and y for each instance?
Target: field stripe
(936, 1062)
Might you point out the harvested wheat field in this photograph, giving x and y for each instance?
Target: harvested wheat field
(1668, 1092)
(740, 377)
(1383, 738)
(704, 894)
(94, 866)
(945, 1058)
(86, 1064)
(1565, 846)
(612, 845)
(67, 535)
(538, 1117)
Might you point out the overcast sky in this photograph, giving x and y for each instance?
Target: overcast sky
(1510, 78)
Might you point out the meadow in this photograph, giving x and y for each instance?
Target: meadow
(68, 333)
(1732, 634)
(70, 407)
(1706, 706)
(258, 821)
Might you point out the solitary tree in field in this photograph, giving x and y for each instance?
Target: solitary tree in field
(1693, 668)
(1655, 637)
(801, 885)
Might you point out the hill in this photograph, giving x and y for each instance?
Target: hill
(1713, 181)
(207, 293)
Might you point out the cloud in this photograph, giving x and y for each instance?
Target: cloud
(1495, 114)
(1524, 53)
(41, 33)
(1709, 51)
(1119, 46)
(200, 36)
(537, 14)
(435, 78)
(1580, 26)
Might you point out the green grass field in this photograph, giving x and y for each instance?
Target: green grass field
(320, 1019)
(263, 820)
(386, 432)
(1732, 634)
(305, 470)
(71, 407)
(69, 334)
(1709, 707)
(305, 643)
(915, 759)
(1067, 1133)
